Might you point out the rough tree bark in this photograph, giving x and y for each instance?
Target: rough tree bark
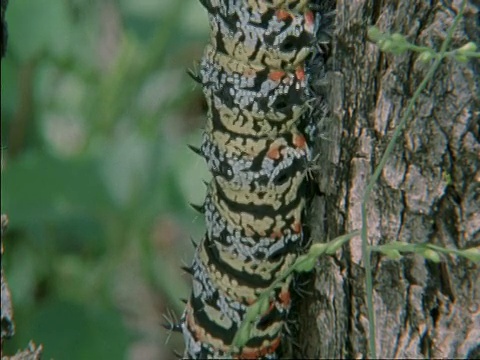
(429, 190)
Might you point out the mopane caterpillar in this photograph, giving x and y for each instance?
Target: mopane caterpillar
(256, 147)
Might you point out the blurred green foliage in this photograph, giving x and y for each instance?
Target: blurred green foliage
(97, 111)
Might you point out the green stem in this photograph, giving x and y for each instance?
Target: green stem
(365, 249)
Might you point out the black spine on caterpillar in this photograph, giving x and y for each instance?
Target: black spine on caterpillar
(254, 82)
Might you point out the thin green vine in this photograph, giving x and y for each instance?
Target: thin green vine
(431, 252)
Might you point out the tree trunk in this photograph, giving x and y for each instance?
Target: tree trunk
(429, 190)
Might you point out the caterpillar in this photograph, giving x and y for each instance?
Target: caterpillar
(256, 145)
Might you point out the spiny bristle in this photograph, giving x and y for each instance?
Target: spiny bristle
(198, 208)
(194, 76)
(195, 244)
(206, 183)
(183, 300)
(196, 150)
(187, 269)
(173, 327)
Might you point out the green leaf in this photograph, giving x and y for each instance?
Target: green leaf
(375, 34)
(430, 254)
(317, 249)
(468, 47)
(426, 56)
(263, 305)
(334, 246)
(472, 254)
(398, 38)
(392, 254)
(461, 58)
(399, 245)
(243, 334)
(305, 263)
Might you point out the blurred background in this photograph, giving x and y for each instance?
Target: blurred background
(97, 111)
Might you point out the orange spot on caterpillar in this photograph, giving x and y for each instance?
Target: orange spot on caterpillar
(284, 297)
(300, 73)
(274, 153)
(276, 75)
(309, 18)
(270, 308)
(277, 234)
(297, 227)
(300, 142)
(196, 331)
(274, 346)
(283, 14)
